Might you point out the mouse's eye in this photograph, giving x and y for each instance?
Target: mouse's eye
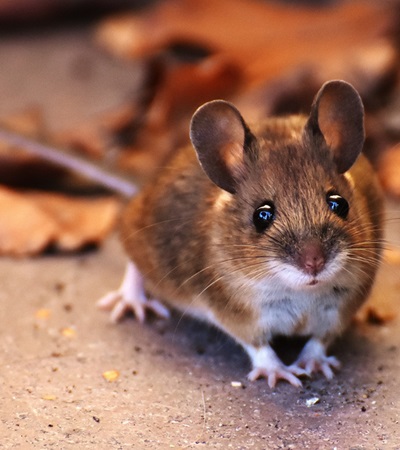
(338, 205)
(263, 216)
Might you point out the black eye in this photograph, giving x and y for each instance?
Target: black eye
(338, 205)
(263, 216)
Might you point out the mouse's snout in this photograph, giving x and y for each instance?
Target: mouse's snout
(311, 257)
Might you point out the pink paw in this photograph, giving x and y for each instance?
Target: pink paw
(287, 373)
(322, 364)
(120, 306)
(266, 364)
(313, 359)
(131, 297)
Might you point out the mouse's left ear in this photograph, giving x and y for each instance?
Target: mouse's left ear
(219, 134)
(337, 114)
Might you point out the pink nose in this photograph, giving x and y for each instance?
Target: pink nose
(311, 257)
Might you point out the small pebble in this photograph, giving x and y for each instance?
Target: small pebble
(312, 401)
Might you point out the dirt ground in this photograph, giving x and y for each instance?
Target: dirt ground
(176, 386)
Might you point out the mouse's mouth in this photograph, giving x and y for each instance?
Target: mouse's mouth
(290, 276)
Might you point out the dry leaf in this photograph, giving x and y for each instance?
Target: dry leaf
(24, 228)
(377, 311)
(79, 221)
(266, 39)
(187, 86)
(31, 222)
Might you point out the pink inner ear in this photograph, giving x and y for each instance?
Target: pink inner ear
(331, 131)
(232, 155)
(330, 121)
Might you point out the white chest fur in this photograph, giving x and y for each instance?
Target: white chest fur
(302, 313)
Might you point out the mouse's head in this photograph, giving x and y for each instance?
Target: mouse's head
(287, 207)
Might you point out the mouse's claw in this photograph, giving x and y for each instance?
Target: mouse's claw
(131, 297)
(266, 364)
(277, 373)
(314, 359)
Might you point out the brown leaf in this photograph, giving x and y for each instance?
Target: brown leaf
(31, 221)
(24, 229)
(187, 86)
(377, 312)
(266, 39)
(78, 221)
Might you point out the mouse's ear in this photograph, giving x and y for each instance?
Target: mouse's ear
(337, 114)
(218, 134)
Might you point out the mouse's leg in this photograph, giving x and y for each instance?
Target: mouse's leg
(131, 297)
(313, 358)
(267, 364)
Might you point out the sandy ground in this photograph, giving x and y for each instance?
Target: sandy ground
(174, 388)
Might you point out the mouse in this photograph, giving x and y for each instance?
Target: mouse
(261, 230)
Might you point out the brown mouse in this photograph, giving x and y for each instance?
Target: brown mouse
(274, 229)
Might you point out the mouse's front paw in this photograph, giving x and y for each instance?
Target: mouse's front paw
(279, 372)
(130, 297)
(313, 359)
(120, 305)
(266, 364)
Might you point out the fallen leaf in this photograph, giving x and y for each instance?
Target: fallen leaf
(79, 221)
(32, 221)
(377, 312)
(266, 39)
(24, 228)
(189, 85)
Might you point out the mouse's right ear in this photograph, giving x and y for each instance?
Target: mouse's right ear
(218, 134)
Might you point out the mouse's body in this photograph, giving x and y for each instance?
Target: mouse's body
(276, 232)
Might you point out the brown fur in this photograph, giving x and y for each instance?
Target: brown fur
(196, 245)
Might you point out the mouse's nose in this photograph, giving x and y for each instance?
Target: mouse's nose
(311, 257)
